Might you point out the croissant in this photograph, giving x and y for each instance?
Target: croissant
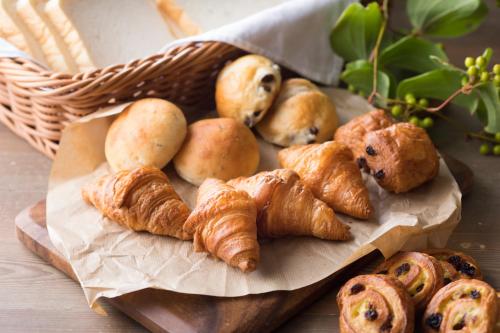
(141, 199)
(285, 207)
(330, 172)
(375, 303)
(465, 305)
(223, 224)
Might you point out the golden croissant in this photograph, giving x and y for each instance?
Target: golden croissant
(329, 170)
(286, 207)
(141, 199)
(224, 224)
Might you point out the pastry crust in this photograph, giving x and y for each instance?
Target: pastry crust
(401, 157)
(375, 303)
(148, 132)
(420, 273)
(285, 207)
(246, 88)
(223, 224)
(457, 265)
(301, 114)
(465, 305)
(141, 199)
(352, 134)
(329, 170)
(219, 148)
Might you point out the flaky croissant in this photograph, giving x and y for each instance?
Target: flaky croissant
(141, 199)
(286, 207)
(329, 170)
(223, 224)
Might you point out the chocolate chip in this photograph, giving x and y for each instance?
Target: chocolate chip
(385, 271)
(257, 113)
(455, 261)
(419, 288)
(362, 163)
(461, 324)
(380, 174)
(446, 280)
(370, 151)
(311, 141)
(371, 314)
(267, 78)
(357, 288)
(314, 130)
(267, 88)
(404, 268)
(475, 294)
(248, 121)
(387, 325)
(434, 320)
(467, 269)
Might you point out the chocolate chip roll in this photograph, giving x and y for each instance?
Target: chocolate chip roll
(420, 273)
(375, 303)
(464, 306)
(456, 265)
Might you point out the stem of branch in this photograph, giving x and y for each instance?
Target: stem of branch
(375, 51)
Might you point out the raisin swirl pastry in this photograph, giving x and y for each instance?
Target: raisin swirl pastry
(375, 303)
(456, 265)
(462, 306)
(420, 273)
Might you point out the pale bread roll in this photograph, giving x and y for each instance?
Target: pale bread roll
(148, 132)
(246, 88)
(302, 114)
(219, 148)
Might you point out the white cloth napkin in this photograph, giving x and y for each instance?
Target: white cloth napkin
(294, 34)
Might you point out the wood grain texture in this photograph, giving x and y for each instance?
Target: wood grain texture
(35, 297)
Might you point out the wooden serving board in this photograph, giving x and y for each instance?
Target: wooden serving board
(166, 311)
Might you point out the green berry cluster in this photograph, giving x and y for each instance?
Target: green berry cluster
(404, 109)
(486, 148)
(477, 69)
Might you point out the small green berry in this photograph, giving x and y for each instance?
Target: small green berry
(465, 80)
(484, 76)
(496, 80)
(351, 88)
(472, 71)
(361, 93)
(496, 150)
(497, 137)
(480, 61)
(469, 61)
(397, 110)
(423, 102)
(484, 149)
(427, 122)
(410, 99)
(414, 120)
(496, 69)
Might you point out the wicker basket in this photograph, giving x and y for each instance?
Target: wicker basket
(37, 104)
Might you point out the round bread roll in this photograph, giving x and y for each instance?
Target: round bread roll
(219, 148)
(246, 88)
(148, 132)
(302, 114)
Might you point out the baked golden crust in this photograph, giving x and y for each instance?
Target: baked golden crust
(301, 114)
(329, 170)
(465, 305)
(375, 303)
(141, 199)
(401, 157)
(285, 207)
(457, 265)
(219, 148)
(223, 224)
(246, 88)
(420, 273)
(352, 134)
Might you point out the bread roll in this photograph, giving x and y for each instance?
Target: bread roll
(302, 114)
(219, 148)
(246, 88)
(148, 133)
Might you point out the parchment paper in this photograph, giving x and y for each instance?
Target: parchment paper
(110, 260)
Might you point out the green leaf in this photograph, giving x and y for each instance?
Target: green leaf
(360, 75)
(412, 53)
(491, 102)
(438, 84)
(441, 63)
(355, 33)
(446, 18)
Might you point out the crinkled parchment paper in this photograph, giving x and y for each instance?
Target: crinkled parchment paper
(110, 260)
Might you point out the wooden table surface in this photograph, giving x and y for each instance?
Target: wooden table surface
(34, 297)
